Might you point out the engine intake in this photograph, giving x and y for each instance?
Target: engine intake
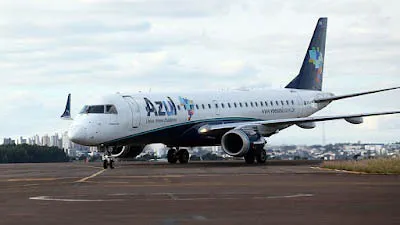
(238, 142)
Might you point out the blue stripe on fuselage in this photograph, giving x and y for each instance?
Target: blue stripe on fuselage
(175, 133)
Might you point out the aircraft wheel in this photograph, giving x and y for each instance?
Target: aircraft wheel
(111, 164)
(105, 164)
(183, 156)
(249, 158)
(261, 156)
(171, 156)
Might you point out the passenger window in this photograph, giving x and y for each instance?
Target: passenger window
(261, 103)
(235, 104)
(222, 104)
(272, 103)
(266, 103)
(247, 105)
(256, 104)
(277, 103)
(179, 108)
(282, 103)
(111, 109)
(229, 105)
(197, 106)
(96, 109)
(209, 106)
(202, 105)
(240, 104)
(292, 102)
(184, 106)
(287, 102)
(216, 105)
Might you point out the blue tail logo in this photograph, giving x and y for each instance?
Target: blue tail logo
(317, 59)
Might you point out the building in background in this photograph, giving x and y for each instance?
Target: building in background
(46, 140)
(8, 141)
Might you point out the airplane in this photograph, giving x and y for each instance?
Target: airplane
(120, 125)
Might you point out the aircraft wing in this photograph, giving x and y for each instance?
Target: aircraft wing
(352, 118)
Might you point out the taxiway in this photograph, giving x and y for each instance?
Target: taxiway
(197, 193)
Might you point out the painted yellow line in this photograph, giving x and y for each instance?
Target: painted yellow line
(343, 171)
(89, 177)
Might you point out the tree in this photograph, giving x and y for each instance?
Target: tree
(31, 154)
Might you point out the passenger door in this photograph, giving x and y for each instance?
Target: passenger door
(135, 109)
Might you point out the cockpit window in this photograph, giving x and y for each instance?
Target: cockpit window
(99, 109)
(96, 109)
(84, 109)
(110, 109)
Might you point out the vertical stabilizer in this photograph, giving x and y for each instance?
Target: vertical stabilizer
(311, 72)
(67, 111)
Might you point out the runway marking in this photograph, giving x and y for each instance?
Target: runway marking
(287, 196)
(150, 176)
(91, 176)
(33, 179)
(342, 171)
(171, 197)
(49, 198)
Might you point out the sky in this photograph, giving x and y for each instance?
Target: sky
(95, 47)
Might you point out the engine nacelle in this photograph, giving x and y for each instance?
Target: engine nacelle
(355, 120)
(306, 125)
(238, 142)
(127, 151)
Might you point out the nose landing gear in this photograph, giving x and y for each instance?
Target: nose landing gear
(108, 159)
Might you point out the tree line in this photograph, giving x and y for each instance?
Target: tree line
(31, 154)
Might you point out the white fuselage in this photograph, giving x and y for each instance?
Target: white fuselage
(143, 114)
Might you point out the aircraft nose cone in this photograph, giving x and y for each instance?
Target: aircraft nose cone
(77, 134)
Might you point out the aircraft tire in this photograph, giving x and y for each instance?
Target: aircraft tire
(105, 164)
(171, 156)
(261, 157)
(183, 156)
(111, 164)
(249, 158)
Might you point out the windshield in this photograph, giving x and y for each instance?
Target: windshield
(99, 109)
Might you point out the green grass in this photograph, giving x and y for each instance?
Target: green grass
(381, 166)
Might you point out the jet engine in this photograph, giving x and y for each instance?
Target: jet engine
(127, 151)
(355, 120)
(306, 125)
(238, 142)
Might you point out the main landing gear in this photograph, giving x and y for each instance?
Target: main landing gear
(175, 154)
(256, 153)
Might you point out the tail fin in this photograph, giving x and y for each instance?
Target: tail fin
(310, 76)
(67, 112)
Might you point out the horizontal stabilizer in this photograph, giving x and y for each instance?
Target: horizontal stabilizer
(338, 97)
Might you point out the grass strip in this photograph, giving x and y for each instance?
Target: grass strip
(379, 166)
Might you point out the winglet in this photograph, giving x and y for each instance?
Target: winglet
(67, 112)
